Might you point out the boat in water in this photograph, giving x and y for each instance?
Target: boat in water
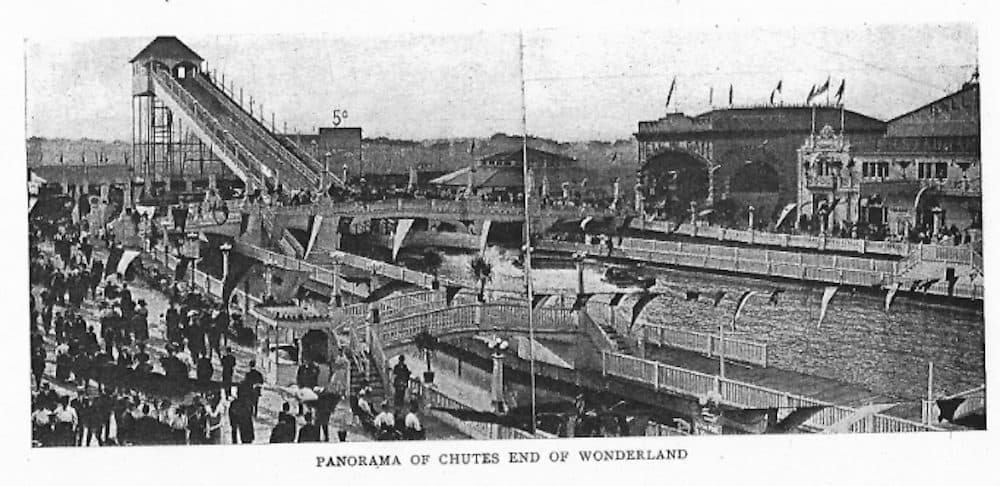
(628, 276)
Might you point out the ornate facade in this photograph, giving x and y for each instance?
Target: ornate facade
(924, 175)
(746, 155)
(828, 180)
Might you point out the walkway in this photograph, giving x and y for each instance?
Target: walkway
(271, 397)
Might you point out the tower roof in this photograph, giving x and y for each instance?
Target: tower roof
(167, 47)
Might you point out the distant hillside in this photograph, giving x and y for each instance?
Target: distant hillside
(600, 161)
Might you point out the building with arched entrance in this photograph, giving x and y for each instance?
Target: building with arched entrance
(746, 156)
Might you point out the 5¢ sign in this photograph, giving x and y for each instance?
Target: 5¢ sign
(339, 116)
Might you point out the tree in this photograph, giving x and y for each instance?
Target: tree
(426, 344)
(432, 261)
(482, 271)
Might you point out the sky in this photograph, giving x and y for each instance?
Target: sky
(578, 85)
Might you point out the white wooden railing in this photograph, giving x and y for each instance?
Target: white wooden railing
(745, 395)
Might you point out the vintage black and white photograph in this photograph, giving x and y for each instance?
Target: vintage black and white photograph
(520, 234)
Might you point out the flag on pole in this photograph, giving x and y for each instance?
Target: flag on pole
(828, 294)
(777, 89)
(730, 95)
(740, 304)
(890, 294)
(812, 93)
(823, 88)
(840, 91)
(711, 92)
(670, 94)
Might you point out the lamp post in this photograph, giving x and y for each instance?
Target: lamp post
(225, 248)
(191, 250)
(498, 346)
(268, 279)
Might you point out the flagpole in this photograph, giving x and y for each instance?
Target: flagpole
(527, 235)
(827, 91)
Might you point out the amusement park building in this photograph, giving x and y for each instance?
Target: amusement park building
(747, 154)
(920, 169)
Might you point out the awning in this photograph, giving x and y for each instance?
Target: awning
(483, 177)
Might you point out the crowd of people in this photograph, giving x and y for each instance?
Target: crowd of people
(114, 384)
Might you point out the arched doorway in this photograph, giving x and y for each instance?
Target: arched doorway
(756, 184)
(930, 215)
(672, 180)
(754, 176)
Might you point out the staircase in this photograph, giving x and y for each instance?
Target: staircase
(620, 343)
(362, 373)
(281, 237)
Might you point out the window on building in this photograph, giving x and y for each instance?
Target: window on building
(932, 170)
(941, 170)
(875, 169)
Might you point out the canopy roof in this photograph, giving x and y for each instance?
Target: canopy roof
(483, 177)
(167, 47)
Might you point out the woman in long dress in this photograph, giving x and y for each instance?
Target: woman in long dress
(340, 383)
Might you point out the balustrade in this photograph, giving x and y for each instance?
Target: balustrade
(746, 395)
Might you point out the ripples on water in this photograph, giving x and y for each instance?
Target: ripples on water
(857, 343)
